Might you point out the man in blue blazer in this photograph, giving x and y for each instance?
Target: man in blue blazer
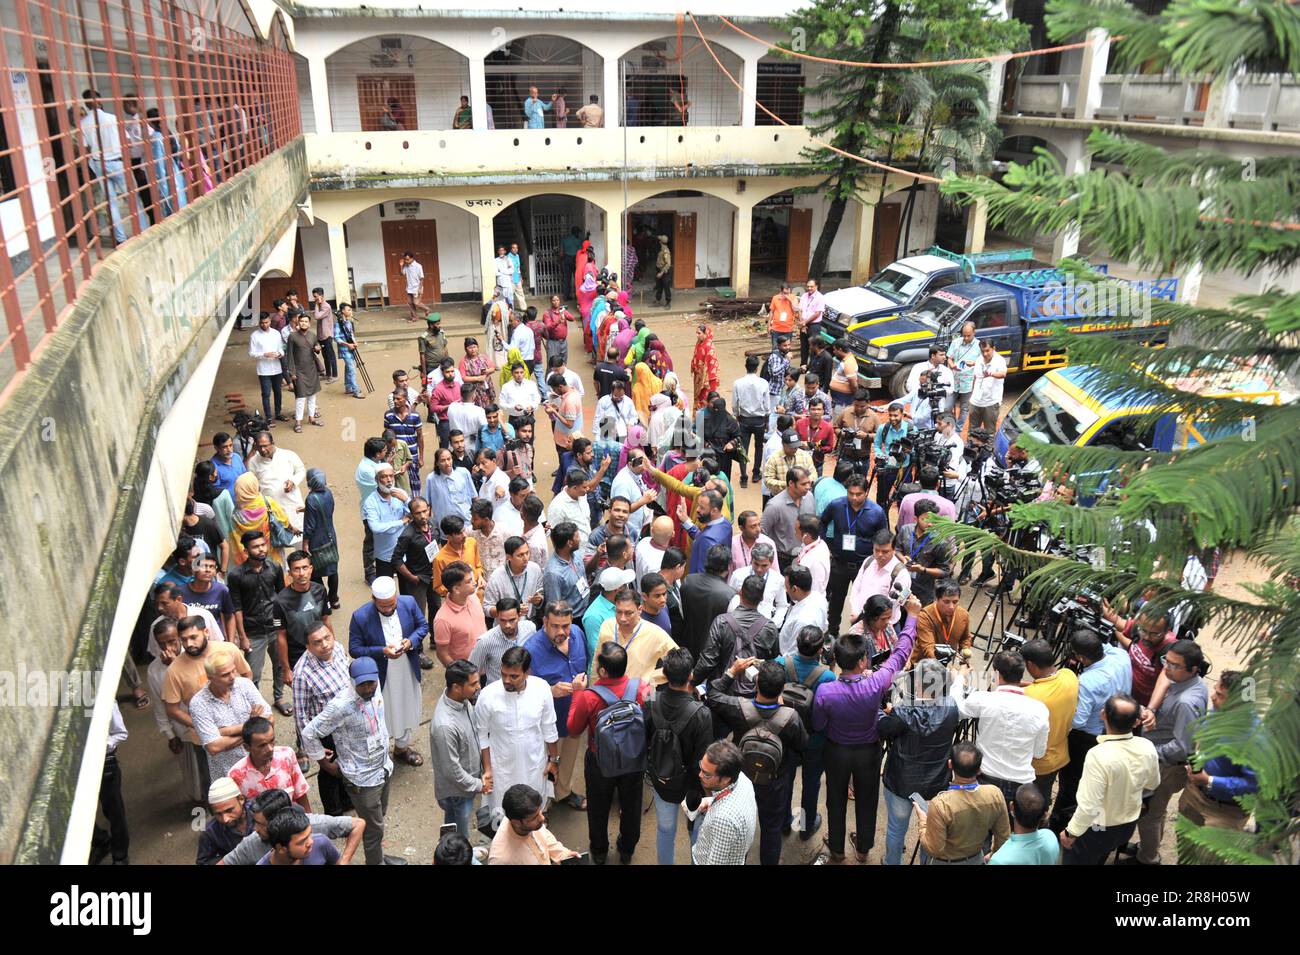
(391, 627)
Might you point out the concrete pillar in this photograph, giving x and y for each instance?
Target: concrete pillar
(614, 238)
(610, 96)
(487, 254)
(740, 250)
(749, 98)
(862, 239)
(1223, 93)
(977, 220)
(339, 264)
(1077, 160)
(320, 94)
(478, 96)
(1096, 56)
(1189, 285)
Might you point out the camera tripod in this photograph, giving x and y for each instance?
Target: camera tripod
(999, 619)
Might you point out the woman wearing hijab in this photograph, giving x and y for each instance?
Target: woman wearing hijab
(207, 491)
(636, 439)
(645, 385)
(584, 279)
(318, 537)
(611, 326)
(656, 356)
(664, 417)
(673, 389)
(636, 351)
(704, 366)
(253, 512)
(514, 358)
(623, 341)
(721, 434)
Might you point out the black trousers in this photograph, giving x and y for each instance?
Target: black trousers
(837, 589)
(568, 269)
(757, 427)
(143, 193)
(331, 359)
(110, 801)
(860, 763)
(600, 800)
(664, 286)
(1095, 845)
(1067, 781)
(773, 801)
(885, 478)
(333, 794)
(368, 554)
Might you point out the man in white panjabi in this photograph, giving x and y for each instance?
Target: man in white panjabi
(517, 730)
(391, 631)
(281, 474)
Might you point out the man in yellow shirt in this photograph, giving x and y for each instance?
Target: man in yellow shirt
(459, 546)
(1058, 690)
(645, 642)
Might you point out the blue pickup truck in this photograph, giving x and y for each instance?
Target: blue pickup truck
(1016, 309)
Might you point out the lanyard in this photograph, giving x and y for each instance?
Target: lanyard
(919, 545)
(947, 631)
(366, 707)
(967, 786)
(635, 633)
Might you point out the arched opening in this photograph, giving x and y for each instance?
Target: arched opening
(556, 65)
(673, 81)
(396, 82)
(539, 225)
(701, 233)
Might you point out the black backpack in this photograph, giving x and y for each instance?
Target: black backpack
(761, 748)
(743, 646)
(798, 694)
(666, 762)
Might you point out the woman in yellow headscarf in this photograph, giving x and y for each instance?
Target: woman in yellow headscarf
(644, 387)
(253, 512)
(507, 367)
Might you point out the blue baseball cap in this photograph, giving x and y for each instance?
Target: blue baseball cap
(363, 670)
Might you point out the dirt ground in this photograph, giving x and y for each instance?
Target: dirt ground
(164, 825)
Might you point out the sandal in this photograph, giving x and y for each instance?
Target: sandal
(576, 801)
(408, 756)
(297, 428)
(284, 709)
(141, 698)
(862, 856)
(317, 422)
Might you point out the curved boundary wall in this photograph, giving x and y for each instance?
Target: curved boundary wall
(96, 448)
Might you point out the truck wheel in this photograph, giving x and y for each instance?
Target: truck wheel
(898, 383)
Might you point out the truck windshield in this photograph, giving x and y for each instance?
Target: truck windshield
(939, 311)
(1049, 414)
(896, 283)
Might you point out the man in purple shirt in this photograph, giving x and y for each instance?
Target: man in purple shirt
(929, 480)
(846, 711)
(710, 528)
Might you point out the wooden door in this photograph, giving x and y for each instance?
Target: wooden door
(373, 94)
(798, 245)
(684, 250)
(884, 239)
(275, 287)
(421, 237)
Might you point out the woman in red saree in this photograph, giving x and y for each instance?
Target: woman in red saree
(704, 366)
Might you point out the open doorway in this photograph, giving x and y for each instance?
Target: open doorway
(646, 227)
(780, 239)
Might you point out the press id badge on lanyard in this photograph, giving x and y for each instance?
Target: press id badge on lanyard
(431, 549)
(849, 542)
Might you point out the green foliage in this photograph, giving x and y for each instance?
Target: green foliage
(1161, 211)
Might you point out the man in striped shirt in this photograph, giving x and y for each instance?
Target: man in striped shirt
(319, 675)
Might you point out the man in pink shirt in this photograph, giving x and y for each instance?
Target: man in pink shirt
(742, 545)
(884, 571)
(441, 397)
(459, 622)
(929, 480)
(268, 766)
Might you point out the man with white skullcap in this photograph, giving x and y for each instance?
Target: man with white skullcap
(385, 512)
(359, 727)
(231, 822)
(391, 629)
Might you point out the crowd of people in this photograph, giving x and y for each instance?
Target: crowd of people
(641, 624)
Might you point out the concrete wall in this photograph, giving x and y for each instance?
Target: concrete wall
(92, 411)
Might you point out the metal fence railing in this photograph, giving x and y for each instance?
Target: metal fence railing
(116, 114)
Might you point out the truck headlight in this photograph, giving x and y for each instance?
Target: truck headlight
(876, 352)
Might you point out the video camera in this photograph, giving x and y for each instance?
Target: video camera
(1011, 486)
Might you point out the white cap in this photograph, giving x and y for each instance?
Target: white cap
(383, 588)
(611, 578)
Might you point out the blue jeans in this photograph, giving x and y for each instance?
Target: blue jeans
(811, 761)
(539, 373)
(113, 175)
(900, 817)
(460, 810)
(270, 384)
(349, 371)
(666, 816)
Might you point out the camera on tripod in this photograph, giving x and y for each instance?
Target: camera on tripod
(1011, 486)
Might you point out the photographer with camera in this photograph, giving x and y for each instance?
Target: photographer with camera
(1103, 671)
(945, 621)
(855, 429)
(816, 432)
(929, 557)
(1181, 711)
(893, 456)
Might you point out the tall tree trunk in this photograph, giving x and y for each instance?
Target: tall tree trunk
(835, 212)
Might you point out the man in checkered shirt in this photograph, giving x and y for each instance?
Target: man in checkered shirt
(731, 814)
(318, 676)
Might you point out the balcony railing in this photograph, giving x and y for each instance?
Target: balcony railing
(352, 157)
(1048, 95)
(1152, 99)
(1270, 103)
(114, 120)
